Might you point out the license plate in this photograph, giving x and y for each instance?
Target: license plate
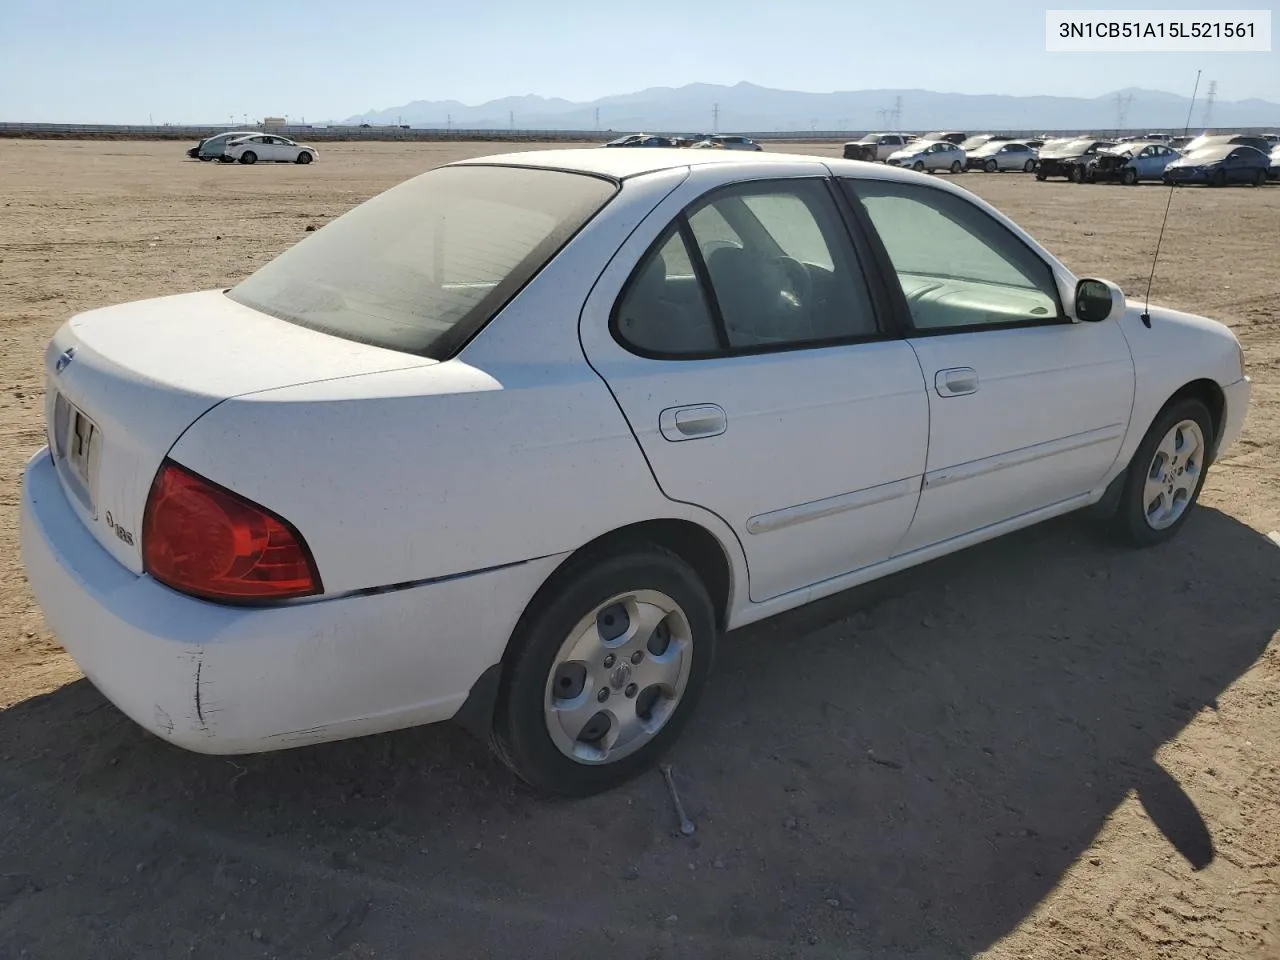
(79, 442)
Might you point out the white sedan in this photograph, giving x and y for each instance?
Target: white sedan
(518, 440)
(931, 155)
(269, 149)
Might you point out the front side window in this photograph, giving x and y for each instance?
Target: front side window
(958, 267)
(424, 265)
(771, 267)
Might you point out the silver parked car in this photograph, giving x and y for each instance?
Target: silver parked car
(931, 155)
(212, 148)
(996, 155)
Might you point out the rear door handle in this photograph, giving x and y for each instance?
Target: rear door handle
(693, 422)
(956, 382)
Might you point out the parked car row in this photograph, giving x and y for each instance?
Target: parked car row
(948, 151)
(698, 141)
(1214, 160)
(250, 147)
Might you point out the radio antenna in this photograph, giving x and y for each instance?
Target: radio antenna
(1186, 131)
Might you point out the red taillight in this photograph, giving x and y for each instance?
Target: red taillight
(204, 540)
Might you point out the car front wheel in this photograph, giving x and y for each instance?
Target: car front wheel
(1166, 474)
(304, 157)
(957, 167)
(604, 671)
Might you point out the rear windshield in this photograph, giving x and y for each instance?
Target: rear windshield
(424, 265)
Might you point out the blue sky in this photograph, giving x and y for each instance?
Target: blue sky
(203, 62)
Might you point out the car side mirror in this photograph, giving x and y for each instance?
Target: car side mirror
(1097, 300)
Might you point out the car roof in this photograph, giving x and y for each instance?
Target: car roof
(621, 164)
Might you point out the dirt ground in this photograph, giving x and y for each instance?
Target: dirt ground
(1045, 747)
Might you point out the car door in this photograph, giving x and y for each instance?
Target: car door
(738, 332)
(1027, 408)
(1145, 163)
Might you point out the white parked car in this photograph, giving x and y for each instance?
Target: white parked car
(929, 155)
(269, 149)
(1002, 156)
(516, 441)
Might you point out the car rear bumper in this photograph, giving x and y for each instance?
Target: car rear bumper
(223, 679)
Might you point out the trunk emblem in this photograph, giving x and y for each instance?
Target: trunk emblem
(64, 360)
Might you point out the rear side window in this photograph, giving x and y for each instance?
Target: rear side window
(424, 265)
(755, 267)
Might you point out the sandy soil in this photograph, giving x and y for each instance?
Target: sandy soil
(1045, 747)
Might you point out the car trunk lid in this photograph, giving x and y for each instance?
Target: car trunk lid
(125, 382)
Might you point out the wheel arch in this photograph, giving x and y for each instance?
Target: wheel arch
(690, 541)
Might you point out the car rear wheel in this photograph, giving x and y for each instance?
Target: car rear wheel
(248, 157)
(1165, 475)
(990, 166)
(304, 157)
(1029, 166)
(957, 166)
(605, 671)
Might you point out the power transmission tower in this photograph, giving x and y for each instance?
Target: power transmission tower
(1122, 109)
(511, 119)
(448, 123)
(715, 119)
(1208, 104)
(897, 114)
(883, 114)
(597, 119)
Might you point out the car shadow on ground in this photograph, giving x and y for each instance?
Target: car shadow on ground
(904, 770)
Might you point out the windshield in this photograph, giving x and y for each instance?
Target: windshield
(973, 143)
(424, 265)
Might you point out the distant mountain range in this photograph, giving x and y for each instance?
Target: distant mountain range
(699, 107)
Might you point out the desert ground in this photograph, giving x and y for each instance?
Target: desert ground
(1045, 747)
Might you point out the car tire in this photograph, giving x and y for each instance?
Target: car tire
(304, 157)
(918, 166)
(1041, 177)
(1218, 178)
(565, 639)
(957, 166)
(204, 159)
(1129, 177)
(1077, 174)
(1029, 166)
(990, 166)
(1170, 464)
(1260, 180)
(248, 157)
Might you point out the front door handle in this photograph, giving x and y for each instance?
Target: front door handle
(693, 422)
(956, 382)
